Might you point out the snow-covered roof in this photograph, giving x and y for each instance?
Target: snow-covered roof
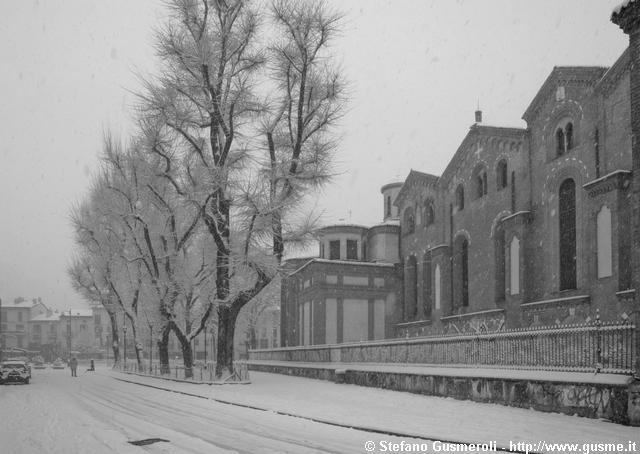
(46, 318)
(622, 5)
(27, 304)
(77, 313)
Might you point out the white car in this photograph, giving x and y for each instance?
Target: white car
(14, 371)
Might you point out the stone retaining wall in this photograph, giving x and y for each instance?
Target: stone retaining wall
(592, 400)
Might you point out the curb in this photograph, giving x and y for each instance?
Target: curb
(181, 380)
(318, 420)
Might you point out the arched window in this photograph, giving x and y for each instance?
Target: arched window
(499, 258)
(461, 271)
(479, 178)
(567, 224)
(568, 135)
(409, 221)
(560, 142)
(513, 191)
(411, 288)
(436, 279)
(429, 213)
(514, 269)
(603, 235)
(460, 197)
(502, 179)
(564, 137)
(426, 284)
(388, 206)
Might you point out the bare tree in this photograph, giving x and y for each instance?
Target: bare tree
(309, 98)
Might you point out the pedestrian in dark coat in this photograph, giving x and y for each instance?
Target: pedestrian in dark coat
(74, 366)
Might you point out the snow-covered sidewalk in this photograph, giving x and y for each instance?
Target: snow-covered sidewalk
(402, 413)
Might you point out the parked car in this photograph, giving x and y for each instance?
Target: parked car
(58, 364)
(38, 363)
(14, 371)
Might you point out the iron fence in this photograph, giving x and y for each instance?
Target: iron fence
(203, 373)
(608, 347)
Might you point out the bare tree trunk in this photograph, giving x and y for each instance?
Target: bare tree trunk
(187, 353)
(226, 328)
(115, 341)
(163, 350)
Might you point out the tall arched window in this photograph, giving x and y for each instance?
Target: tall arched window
(514, 269)
(460, 197)
(603, 235)
(499, 258)
(426, 284)
(560, 142)
(437, 291)
(502, 179)
(479, 178)
(564, 137)
(513, 191)
(409, 221)
(461, 271)
(567, 224)
(429, 213)
(411, 288)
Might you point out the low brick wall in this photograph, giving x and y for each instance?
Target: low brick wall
(591, 400)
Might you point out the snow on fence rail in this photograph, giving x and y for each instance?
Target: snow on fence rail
(609, 347)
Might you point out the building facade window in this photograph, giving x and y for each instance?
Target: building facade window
(426, 284)
(461, 272)
(460, 197)
(502, 179)
(352, 249)
(603, 235)
(499, 258)
(564, 137)
(479, 179)
(388, 206)
(567, 227)
(429, 213)
(409, 221)
(334, 250)
(513, 191)
(514, 262)
(411, 288)
(596, 146)
(437, 288)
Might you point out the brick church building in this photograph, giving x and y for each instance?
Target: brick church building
(525, 227)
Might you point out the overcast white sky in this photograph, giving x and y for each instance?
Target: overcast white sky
(417, 68)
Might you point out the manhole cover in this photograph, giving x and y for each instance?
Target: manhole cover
(147, 441)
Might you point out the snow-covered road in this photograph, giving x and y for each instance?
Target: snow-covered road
(96, 414)
(100, 413)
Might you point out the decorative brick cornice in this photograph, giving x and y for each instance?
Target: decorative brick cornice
(616, 180)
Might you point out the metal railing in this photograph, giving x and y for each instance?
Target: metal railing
(607, 347)
(203, 373)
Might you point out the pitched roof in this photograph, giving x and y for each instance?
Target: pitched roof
(77, 313)
(585, 75)
(54, 317)
(415, 178)
(475, 131)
